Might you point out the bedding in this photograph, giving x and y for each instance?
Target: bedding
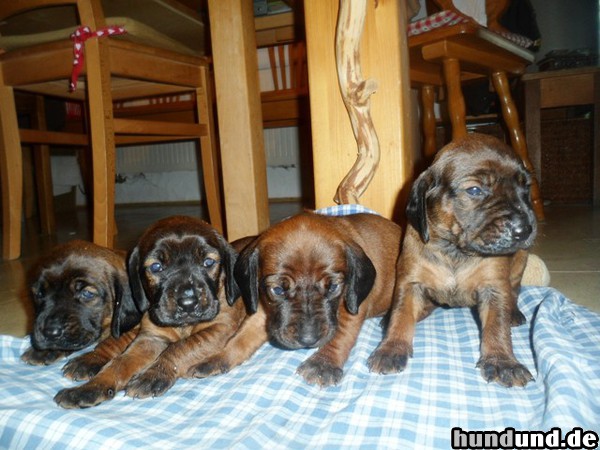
(264, 404)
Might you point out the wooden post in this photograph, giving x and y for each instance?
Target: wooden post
(384, 57)
(240, 117)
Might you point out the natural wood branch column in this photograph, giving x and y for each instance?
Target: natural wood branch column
(240, 117)
(384, 58)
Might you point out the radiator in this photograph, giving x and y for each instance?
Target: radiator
(281, 149)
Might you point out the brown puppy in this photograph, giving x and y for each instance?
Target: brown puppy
(181, 271)
(75, 291)
(470, 225)
(312, 280)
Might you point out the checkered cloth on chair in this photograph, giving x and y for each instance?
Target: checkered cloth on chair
(449, 18)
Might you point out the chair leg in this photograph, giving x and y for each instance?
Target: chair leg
(103, 142)
(43, 172)
(209, 152)
(511, 118)
(427, 102)
(11, 174)
(456, 102)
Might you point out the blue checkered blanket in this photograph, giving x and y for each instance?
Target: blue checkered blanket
(264, 404)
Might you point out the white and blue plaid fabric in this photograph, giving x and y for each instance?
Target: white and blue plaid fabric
(265, 404)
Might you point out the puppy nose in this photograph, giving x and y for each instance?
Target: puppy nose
(520, 231)
(188, 300)
(53, 330)
(307, 340)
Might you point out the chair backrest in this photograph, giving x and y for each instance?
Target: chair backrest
(493, 10)
(288, 67)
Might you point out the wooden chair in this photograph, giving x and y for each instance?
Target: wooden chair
(115, 69)
(451, 55)
(283, 106)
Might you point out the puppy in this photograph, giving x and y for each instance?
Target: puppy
(181, 274)
(75, 291)
(470, 225)
(311, 281)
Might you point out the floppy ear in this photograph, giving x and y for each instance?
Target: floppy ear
(125, 312)
(416, 209)
(359, 278)
(229, 256)
(246, 276)
(137, 290)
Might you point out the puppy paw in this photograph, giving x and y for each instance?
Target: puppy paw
(84, 367)
(389, 358)
(154, 382)
(209, 368)
(42, 357)
(84, 396)
(505, 371)
(319, 371)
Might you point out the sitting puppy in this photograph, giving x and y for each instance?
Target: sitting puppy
(470, 225)
(312, 280)
(181, 273)
(75, 291)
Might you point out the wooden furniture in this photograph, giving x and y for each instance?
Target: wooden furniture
(115, 69)
(282, 106)
(240, 119)
(561, 88)
(452, 55)
(384, 58)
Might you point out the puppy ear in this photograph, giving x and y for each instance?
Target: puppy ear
(229, 256)
(360, 277)
(416, 209)
(246, 276)
(137, 290)
(125, 312)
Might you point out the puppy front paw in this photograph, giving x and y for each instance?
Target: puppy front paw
(153, 382)
(319, 371)
(507, 372)
(389, 358)
(84, 367)
(84, 396)
(216, 365)
(42, 357)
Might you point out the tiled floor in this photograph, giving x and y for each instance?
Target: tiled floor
(569, 243)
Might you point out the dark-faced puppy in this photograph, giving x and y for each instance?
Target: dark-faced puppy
(312, 280)
(181, 272)
(80, 293)
(470, 225)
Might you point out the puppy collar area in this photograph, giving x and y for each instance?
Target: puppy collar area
(345, 210)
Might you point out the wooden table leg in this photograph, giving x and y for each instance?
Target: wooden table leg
(511, 117)
(456, 102)
(11, 175)
(427, 102)
(240, 117)
(532, 125)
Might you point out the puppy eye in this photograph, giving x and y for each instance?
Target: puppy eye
(474, 191)
(333, 287)
(87, 294)
(277, 291)
(208, 262)
(156, 267)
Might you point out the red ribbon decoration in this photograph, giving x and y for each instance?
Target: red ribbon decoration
(79, 36)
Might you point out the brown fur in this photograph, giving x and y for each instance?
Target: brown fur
(74, 290)
(470, 225)
(312, 281)
(191, 311)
